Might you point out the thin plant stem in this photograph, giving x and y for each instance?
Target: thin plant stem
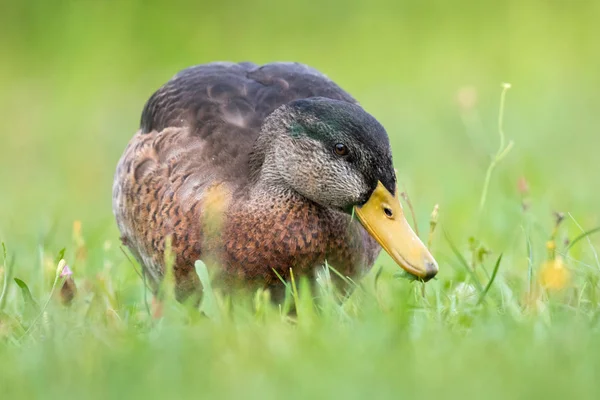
(502, 150)
(7, 276)
(406, 198)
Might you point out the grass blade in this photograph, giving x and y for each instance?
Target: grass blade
(58, 281)
(582, 236)
(464, 263)
(346, 280)
(285, 283)
(209, 304)
(60, 256)
(491, 281)
(594, 252)
(7, 275)
(31, 306)
(529, 260)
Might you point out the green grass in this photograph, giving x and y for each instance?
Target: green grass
(74, 77)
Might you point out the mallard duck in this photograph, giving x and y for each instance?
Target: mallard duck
(258, 170)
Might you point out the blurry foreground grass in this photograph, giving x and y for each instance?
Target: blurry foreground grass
(525, 337)
(74, 78)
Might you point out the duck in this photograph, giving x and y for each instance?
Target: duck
(260, 171)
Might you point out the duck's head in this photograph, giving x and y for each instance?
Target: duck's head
(337, 155)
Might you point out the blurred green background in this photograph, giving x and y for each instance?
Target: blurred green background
(74, 76)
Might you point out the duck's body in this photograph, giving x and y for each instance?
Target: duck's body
(205, 174)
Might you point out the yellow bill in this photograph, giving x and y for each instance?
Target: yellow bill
(383, 217)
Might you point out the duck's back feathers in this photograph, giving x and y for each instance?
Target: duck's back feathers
(237, 95)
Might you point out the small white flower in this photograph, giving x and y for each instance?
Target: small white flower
(465, 292)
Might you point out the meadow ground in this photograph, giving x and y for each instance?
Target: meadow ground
(74, 78)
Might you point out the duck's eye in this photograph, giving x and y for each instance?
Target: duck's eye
(340, 149)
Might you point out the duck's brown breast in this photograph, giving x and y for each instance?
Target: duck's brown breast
(260, 243)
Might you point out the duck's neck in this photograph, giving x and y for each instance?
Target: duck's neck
(263, 164)
(270, 186)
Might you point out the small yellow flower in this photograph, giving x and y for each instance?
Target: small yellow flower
(554, 275)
